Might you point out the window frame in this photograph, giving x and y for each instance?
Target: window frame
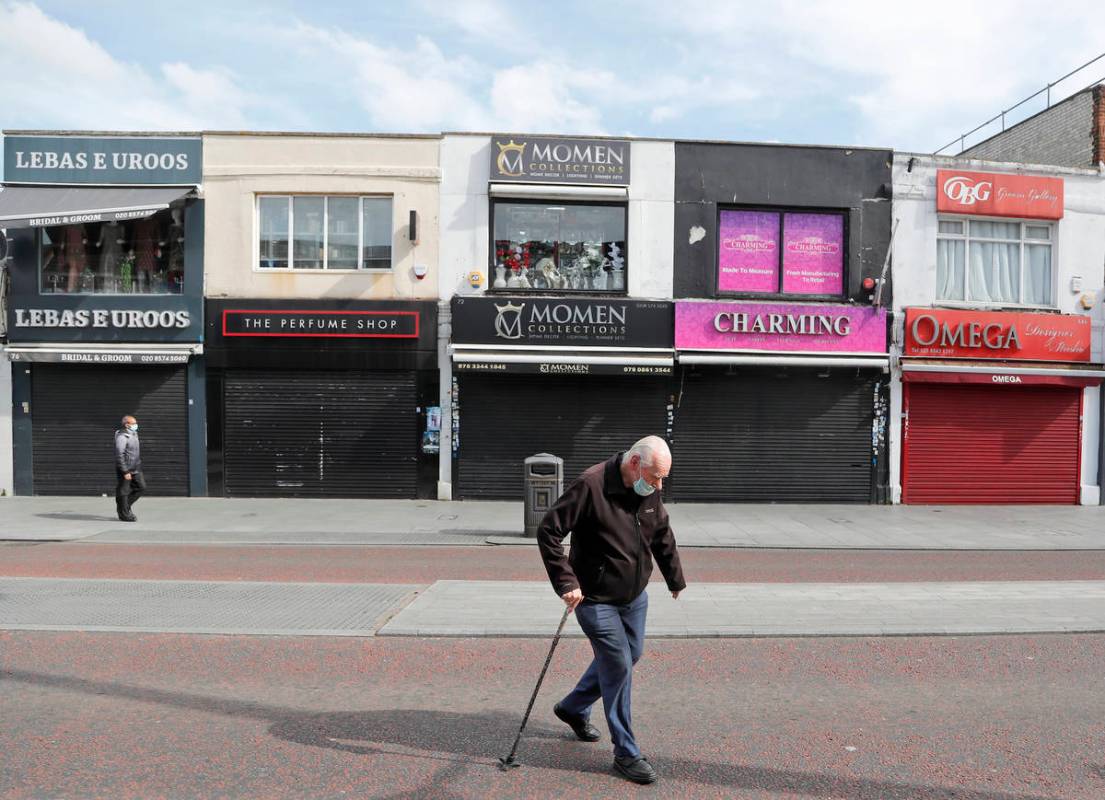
(539, 201)
(1052, 241)
(325, 270)
(782, 211)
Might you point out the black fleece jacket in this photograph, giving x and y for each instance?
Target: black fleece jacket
(615, 535)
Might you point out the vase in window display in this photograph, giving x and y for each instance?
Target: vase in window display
(523, 280)
(512, 281)
(617, 268)
(500, 277)
(549, 273)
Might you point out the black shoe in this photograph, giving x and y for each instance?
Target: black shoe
(636, 769)
(584, 730)
(128, 518)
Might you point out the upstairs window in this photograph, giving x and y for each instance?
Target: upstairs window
(558, 246)
(994, 262)
(780, 253)
(141, 256)
(317, 232)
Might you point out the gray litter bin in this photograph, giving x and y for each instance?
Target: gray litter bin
(544, 483)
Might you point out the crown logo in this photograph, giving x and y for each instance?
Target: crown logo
(508, 322)
(509, 160)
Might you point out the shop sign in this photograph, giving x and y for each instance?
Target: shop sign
(1058, 377)
(107, 357)
(327, 324)
(560, 368)
(119, 319)
(945, 333)
(779, 327)
(131, 160)
(550, 159)
(995, 194)
(543, 322)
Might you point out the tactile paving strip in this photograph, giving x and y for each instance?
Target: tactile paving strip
(238, 607)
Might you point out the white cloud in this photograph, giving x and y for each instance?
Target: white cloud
(67, 80)
(916, 73)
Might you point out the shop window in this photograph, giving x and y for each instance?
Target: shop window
(994, 262)
(316, 232)
(780, 252)
(143, 256)
(562, 247)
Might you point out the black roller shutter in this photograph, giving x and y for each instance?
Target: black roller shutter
(320, 434)
(761, 435)
(582, 419)
(75, 411)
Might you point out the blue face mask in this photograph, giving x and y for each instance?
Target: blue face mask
(641, 486)
(132, 428)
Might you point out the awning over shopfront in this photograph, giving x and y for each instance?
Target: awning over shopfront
(38, 206)
(1027, 373)
(564, 360)
(795, 359)
(151, 354)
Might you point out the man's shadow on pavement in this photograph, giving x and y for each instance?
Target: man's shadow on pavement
(464, 740)
(74, 517)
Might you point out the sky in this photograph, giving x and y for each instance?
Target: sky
(878, 73)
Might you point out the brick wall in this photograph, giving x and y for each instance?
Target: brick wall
(1099, 125)
(1062, 135)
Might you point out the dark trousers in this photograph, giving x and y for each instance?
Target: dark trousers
(127, 492)
(617, 635)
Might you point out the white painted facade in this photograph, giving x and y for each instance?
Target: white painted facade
(239, 167)
(1079, 251)
(7, 456)
(465, 239)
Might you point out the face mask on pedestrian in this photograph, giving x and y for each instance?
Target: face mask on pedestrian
(133, 427)
(641, 486)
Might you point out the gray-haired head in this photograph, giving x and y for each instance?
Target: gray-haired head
(128, 419)
(652, 449)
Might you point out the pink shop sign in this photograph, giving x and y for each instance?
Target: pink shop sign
(780, 326)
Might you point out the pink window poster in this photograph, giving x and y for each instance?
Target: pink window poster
(748, 251)
(813, 254)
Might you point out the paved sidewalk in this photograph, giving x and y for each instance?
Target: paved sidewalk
(517, 608)
(217, 607)
(203, 520)
(529, 609)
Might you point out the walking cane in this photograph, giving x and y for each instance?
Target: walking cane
(509, 762)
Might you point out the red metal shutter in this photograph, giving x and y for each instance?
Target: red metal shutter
(969, 443)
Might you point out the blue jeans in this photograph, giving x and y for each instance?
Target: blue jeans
(617, 635)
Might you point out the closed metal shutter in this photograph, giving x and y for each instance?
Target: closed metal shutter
(582, 419)
(760, 435)
(966, 443)
(320, 434)
(75, 411)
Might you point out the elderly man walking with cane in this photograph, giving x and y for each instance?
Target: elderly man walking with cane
(618, 525)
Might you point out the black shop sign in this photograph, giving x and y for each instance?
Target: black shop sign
(360, 324)
(550, 322)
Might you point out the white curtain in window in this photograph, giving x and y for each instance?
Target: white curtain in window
(995, 272)
(950, 264)
(1037, 277)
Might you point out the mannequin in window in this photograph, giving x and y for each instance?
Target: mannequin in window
(112, 244)
(76, 254)
(176, 251)
(147, 251)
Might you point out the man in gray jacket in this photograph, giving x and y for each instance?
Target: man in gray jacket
(128, 469)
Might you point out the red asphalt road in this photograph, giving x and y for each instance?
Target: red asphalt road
(168, 716)
(426, 564)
